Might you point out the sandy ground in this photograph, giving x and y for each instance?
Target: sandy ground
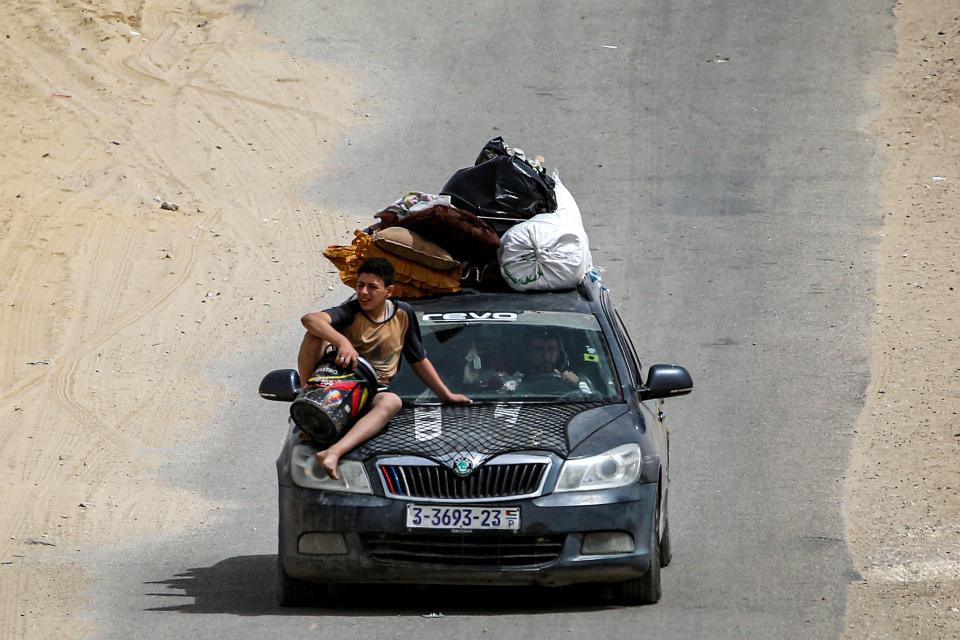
(108, 299)
(903, 487)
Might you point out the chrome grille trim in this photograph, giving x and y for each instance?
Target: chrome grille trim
(506, 477)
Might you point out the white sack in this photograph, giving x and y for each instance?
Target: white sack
(569, 214)
(547, 252)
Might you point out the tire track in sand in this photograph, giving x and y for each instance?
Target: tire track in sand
(63, 381)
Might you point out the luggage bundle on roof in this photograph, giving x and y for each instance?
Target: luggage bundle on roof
(502, 223)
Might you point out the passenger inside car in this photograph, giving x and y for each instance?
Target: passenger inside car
(489, 357)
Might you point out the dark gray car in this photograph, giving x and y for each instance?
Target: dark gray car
(558, 473)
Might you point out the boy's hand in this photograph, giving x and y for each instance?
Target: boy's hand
(457, 398)
(347, 356)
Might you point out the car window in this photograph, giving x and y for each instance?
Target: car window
(530, 356)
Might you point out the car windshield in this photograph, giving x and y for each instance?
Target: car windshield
(528, 356)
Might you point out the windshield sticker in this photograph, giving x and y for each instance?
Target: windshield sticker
(471, 316)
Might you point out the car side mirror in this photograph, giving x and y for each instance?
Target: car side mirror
(282, 385)
(666, 381)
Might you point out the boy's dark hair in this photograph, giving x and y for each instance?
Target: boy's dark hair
(380, 267)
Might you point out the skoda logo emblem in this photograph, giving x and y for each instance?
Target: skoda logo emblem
(462, 466)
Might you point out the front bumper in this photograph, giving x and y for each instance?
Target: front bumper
(564, 517)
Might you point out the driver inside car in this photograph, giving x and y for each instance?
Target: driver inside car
(546, 359)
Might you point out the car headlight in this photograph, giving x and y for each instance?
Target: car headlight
(308, 474)
(617, 467)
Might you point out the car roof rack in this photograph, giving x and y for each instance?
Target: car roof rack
(587, 289)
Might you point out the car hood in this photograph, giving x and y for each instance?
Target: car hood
(478, 432)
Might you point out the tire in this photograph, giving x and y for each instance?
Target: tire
(646, 588)
(296, 593)
(666, 554)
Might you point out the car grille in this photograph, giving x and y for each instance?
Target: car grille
(489, 481)
(465, 550)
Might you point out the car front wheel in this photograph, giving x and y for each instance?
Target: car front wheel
(666, 553)
(295, 593)
(646, 588)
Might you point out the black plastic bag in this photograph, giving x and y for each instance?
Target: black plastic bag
(493, 148)
(502, 185)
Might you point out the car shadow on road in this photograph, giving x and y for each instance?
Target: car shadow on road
(246, 586)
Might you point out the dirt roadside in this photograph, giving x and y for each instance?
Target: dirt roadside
(107, 299)
(903, 485)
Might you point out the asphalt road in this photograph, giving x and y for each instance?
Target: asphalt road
(717, 152)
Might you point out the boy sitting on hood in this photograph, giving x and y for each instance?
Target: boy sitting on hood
(376, 328)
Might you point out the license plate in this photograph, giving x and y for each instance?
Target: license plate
(471, 518)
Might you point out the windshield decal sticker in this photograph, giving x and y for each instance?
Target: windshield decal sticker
(426, 423)
(471, 316)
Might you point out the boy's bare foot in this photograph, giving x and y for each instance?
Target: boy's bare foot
(328, 461)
